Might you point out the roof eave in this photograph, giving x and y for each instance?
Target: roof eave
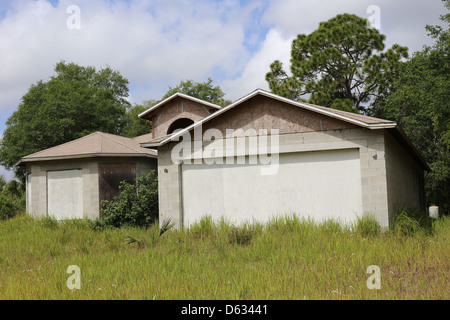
(383, 125)
(151, 145)
(84, 156)
(412, 148)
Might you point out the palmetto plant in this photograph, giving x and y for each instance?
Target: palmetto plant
(154, 234)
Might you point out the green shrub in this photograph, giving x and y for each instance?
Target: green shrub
(135, 206)
(12, 199)
(8, 207)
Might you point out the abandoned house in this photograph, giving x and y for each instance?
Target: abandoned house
(326, 163)
(261, 156)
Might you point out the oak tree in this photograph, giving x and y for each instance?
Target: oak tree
(74, 102)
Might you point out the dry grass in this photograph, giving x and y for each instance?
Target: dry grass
(286, 259)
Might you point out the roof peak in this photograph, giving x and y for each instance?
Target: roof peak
(175, 95)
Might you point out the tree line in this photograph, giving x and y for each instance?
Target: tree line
(343, 64)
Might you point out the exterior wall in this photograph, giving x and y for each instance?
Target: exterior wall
(405, 178)
(37, 196)
(373, 177)
(169, 187)
(261, 112)
(175, 109)
(370, 144)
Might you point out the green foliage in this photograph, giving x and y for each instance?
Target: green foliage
(76, 101)
(153, 234)
(166, 226)
(201, 90)
(135, 206)
(12, 198)
(135, 126)
(419, 101)
(8, 207)
(340, 65)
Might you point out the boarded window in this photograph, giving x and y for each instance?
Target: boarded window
(110, 176)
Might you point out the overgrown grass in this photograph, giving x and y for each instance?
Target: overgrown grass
(409, 222)
(288, 258)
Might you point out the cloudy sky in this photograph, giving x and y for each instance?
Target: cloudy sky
(157, 43)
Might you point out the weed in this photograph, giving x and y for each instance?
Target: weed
(202, 228)
(410, 222)
(287, 259)
(152, 234)
(367, 226)
(49, 222)
(242, 235)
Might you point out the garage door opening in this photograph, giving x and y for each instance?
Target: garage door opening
(65, 194)
(320, 185)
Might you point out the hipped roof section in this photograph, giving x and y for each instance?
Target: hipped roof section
(357, 119)
(178, 94)
(97, 144)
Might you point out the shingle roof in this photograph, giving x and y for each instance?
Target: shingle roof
(355, 116)
(147, 138)
(358, 119)
(144, 138)
(97, 144)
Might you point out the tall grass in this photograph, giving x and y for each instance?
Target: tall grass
(287, 258)
(410, 222)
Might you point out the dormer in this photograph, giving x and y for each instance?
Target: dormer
(176, 112)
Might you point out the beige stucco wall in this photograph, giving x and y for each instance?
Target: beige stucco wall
(37, 194)
(370, 144)
(404, 176)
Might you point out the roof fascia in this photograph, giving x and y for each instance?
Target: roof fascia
(84, 156)
(279, 98)
(178, 94)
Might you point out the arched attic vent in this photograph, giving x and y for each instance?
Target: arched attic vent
(179, 124)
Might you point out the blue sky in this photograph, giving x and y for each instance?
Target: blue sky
(155, 44)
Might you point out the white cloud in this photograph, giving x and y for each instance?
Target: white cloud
(152, 44)
(274, 47)
(401, 21)
(155, 44)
